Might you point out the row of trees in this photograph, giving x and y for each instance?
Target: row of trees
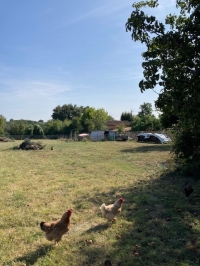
(144, 120)
(64, 119)
(69, 118)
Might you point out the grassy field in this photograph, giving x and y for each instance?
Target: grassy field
(157, 226)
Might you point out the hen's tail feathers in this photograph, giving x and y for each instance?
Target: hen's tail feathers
(42, 226)
(102, 208)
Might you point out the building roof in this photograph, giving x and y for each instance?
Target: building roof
(126, 129)
(112, 124)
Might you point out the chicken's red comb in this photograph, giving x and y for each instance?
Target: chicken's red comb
(122, 199)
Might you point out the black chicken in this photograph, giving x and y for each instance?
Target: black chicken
(188, 189)
(108, 263)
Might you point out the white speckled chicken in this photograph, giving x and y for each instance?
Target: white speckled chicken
(110, 211)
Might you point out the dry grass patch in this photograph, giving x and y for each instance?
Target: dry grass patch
(157, 226)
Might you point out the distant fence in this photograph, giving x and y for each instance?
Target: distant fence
(39, 137)
(131, 134)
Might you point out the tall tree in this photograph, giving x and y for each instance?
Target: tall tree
(16, 127)
(145, 109)
(34, 130)
(2, 124)
(126, 116)
(168, 120)
(172, 63)
(57, 113)
(76, 124)
(94, 119)
(67, 111)
(57, 127)
(145, 123)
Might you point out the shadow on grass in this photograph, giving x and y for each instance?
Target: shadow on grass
(99, 228)
(149, 147)
(32, 257)
(158, 226)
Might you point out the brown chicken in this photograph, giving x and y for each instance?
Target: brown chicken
(55, 230)
(110, 211)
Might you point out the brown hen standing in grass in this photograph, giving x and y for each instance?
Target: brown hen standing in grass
(55, 230)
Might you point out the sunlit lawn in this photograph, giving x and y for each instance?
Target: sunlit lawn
(157, 226)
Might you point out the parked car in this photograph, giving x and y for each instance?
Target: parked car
(153, 137)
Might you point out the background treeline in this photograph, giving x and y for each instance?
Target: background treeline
(69, 118)
(144, 120)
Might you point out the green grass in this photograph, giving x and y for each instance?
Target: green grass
(157, 226)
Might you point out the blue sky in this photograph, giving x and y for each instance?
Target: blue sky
(70, 52)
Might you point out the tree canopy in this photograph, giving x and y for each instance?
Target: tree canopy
(126, 116)
(172, 64)
(67, 112)
(94, 119)
(2, 124)
(145, 109)
(145, 123)
(16, 127)
(144, 120)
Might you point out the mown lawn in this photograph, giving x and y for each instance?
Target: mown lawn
(157, 226)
